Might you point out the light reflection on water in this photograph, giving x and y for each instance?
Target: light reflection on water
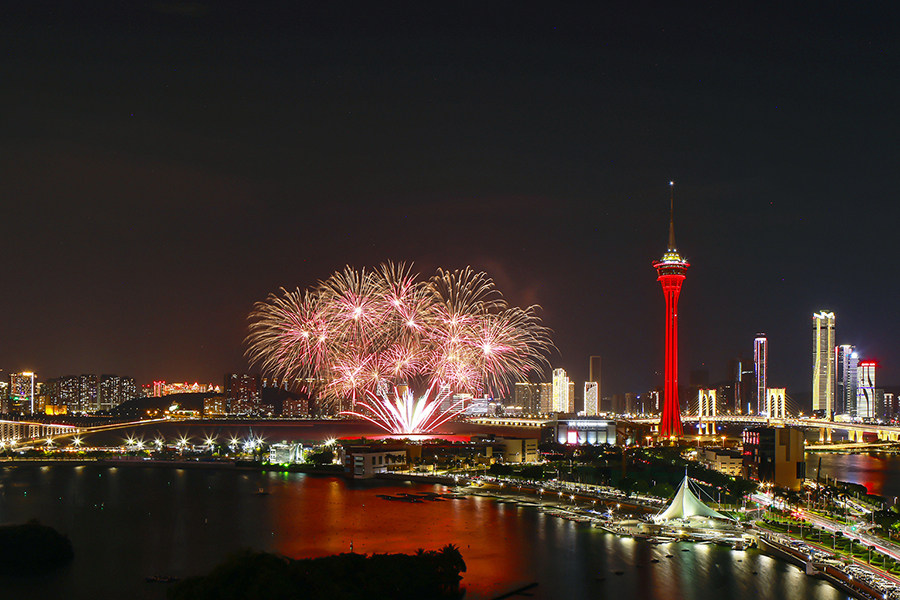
(132, 522)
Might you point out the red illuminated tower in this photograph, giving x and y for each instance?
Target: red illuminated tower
(671, 269)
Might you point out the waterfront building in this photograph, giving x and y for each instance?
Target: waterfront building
(365, 462)
(846, 364)
(774, 455)
(285, 454)
(591, 398)
(760, 365)
(686, 505)
(671, 269)
(865, 390)
(775, 403)
(581, 431)
(823, 364)
(21, 393)
(560, 402)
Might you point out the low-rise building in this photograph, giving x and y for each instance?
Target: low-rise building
(366, 462)
(585, 430)
(724, 461)
(519, 450)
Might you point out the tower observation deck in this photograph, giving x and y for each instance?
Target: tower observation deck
(671, 269)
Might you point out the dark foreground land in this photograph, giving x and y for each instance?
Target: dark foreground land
(263, 576)
(32, 548)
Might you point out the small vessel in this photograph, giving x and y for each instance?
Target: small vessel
(261, 492)
(160, 579)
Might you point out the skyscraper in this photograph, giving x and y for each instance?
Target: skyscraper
(591, 399)
(671, 269)
(594, 376)
(846, 363)
(21, 392)
(823, 364)
(115, 390)
(528, 397)
(760, 364)
(865, 391)
(242, 392)
(560, 403)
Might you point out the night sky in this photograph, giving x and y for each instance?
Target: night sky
(165, 165)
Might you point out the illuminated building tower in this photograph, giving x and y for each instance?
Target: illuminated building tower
(560, 403)
(846, 362)
(760, 363)
(591, 399)
(21, 393)
(823, 364)
(671, 269)
(594, 376)
(865, 390)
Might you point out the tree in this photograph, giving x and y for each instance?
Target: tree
(662, 490)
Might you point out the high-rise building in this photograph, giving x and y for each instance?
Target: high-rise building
(528, 397)
(88, 393)
(671, 269)
(242, 392)
(760, 366)
(846, 363)
(823, 364)
(546, 398)
(115, 390)
(865, 390)
(560, 403)
(594, 376)
(591, 398)
(21, 392)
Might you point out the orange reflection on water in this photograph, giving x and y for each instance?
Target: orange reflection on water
(317, 517)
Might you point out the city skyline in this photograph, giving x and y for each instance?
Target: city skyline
(156, 206)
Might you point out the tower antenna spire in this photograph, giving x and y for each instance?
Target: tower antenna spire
(671, 215)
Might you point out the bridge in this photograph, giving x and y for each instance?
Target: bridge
(15, 432)
(24, 434)
(856, 432)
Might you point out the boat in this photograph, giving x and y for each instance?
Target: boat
(160, 579)
(261, 492)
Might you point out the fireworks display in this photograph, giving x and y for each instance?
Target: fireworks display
(365, 331)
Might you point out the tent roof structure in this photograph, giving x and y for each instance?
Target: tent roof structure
(686, 505)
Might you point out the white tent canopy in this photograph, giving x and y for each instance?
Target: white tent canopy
(686, 505)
